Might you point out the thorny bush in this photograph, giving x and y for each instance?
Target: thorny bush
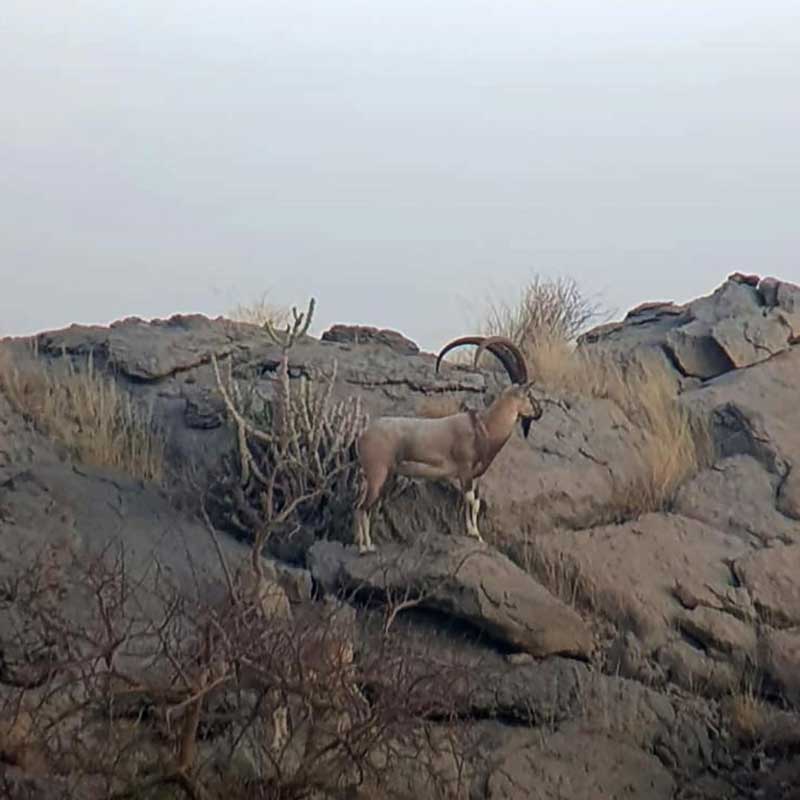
(115, 687)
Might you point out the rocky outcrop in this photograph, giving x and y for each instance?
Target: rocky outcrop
(464, 579)
(752, 412)
(641, 574)
(715, 496)
(745, 321)
(363, 334)
(608, 661)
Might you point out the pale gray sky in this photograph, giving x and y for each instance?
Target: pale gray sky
(396, 159)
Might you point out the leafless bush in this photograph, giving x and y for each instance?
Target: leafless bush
(121, 688)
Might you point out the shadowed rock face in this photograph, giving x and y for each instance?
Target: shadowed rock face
(465, 579)
(604, 657)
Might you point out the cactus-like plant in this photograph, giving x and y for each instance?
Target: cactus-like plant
(295, 329)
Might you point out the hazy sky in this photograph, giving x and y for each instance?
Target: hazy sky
(396, 159)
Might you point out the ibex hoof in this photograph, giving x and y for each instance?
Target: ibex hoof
(366, 550)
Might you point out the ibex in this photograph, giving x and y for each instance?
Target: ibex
(460, 446)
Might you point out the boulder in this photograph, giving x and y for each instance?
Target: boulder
(153, 350)
(733, 298)
(364, 334)
(634, 573)
(464, 579)
(696, 352)
(749, 339)
(753, 412)
(737, 495)
(578, 764)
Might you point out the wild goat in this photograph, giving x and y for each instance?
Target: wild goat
(460, 446)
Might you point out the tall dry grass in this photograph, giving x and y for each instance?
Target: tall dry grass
(676, 443)
(553, 309)
(86, 412)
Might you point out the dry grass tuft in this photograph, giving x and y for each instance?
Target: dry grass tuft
(86, 412)
(436, 406)
(547, 309)
(747, 716)
(260, 312)
(676, 444)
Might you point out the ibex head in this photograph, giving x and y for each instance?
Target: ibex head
(511, 357)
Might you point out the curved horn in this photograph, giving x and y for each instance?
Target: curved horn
(509, 355)
(457, 343)
(503, 348)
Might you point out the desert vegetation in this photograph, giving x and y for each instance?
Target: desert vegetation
(294, 469)
(85, 411)
(261, 311)
(152, 692)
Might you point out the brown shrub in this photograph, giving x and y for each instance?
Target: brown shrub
(85, 411)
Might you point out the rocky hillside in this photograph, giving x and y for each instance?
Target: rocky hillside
(607, 641)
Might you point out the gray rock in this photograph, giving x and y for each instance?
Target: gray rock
(204, 408)
(696, 352)
(788, 297)
(578, 764)
(771, 577)
(154, 350)
(753, 411)
(732, 299)
(465, 579)
(746, 340)
(737, 495)
(363, 334)
(629, 573)
(744, 321)
(93, 511)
